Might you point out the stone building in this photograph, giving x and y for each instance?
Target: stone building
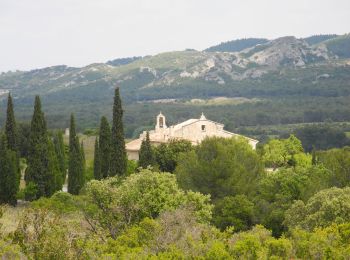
(193, 130)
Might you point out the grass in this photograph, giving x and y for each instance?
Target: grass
(10, 217)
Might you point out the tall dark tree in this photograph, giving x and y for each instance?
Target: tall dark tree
(11, 133)
(76, 167)
(57, 180)
(11, 127)
(97, 161)
(118, 164)
(8, 173)
(82, 152)
(105, 147)
(60, 152)
(146, 155)
(41, 162)
(23, 139)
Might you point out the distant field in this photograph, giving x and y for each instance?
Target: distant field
(222, 101)
(215, 101)
(89, 143)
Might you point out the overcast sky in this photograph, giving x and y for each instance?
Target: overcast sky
(40, 33)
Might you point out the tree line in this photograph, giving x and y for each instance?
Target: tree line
(42, 158)
(217, 200)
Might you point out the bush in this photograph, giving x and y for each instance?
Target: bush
(30, 191)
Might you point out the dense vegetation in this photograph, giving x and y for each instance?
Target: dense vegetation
(214, 213)
(340, 46)
(217, 200)
(315, 39)
(237, 45)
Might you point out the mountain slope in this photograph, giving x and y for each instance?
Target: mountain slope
(236, 45)
(281, 81)
(339, 46)
(316, 39)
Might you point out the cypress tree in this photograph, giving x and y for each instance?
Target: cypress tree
(11, 133)
(105, 147)
(118, 164)
(97, 161)
(76, 167)
(54, 168)
(146, 156)
(41, 165)
(10, 126)
(8, 173)
(82, 152)
(60, 152)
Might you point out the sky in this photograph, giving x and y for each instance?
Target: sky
(41, 33)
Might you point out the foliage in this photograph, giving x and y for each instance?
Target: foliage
(30, 191)
(220, 167)
(321, 137)
(114, 203)
(316, 39)
(167, 155)
(277, 153)
(61, 154)
(42, 161)
(23, 139)
(11, 130)
(43, 235)
(330, 242)
(321, 210)
(10, 251)
(277, 192)
(9, 171)
(237, 45)
(338, 162)
(118, 152)
(76, 165)
(339, 46)
(146, 154)
(236, 212)
(105, 147)
(131, 167)
(60, 203)
(97, 161)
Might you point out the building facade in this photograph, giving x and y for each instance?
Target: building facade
(193, 130)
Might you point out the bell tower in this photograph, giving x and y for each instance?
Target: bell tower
(160, 122)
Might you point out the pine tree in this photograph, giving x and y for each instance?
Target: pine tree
(105, 147)
(146, 156)
(8, 173)
(118, 164)
(40, 171)
(76, 174)
(97, 161)
(60, 152)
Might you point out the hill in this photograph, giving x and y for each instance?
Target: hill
(236, 45)
(282, 81)
(340, 46)
(316, 39)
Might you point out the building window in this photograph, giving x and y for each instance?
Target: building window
(203, 127)
(161, 122)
